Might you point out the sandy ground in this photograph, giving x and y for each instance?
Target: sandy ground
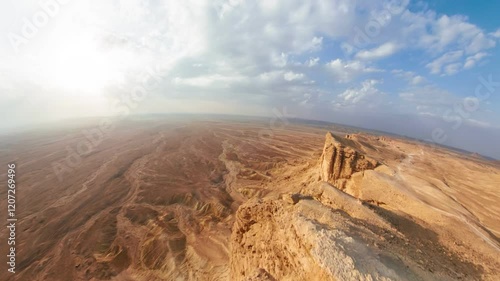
(156, 200)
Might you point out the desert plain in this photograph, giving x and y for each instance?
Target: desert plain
(241, 199)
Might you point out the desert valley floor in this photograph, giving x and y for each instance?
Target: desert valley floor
(242, 200)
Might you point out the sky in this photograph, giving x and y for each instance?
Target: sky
(424, 69)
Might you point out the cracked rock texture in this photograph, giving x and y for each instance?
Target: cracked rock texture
(340, 160)
(328, 237)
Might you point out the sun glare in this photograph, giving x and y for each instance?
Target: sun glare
(79, 67)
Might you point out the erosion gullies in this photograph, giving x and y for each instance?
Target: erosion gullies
(217, 201)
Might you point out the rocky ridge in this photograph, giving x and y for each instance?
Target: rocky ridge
(326, 232)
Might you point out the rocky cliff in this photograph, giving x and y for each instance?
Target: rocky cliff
(326, 235)
(341, 159)
(354, 223)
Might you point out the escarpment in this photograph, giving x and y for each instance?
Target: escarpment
(348, 225)
(340, 160)
(218, 201)
(325, 236)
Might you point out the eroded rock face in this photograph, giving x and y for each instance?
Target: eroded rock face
(265, 240)
(340, 159)
(325, 235)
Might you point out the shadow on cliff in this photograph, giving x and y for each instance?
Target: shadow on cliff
(422, 246)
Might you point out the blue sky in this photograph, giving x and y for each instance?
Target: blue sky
(417, 68)
(482, 13)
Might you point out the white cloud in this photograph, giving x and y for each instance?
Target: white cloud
(264, 51)
(382, 51)
(346, 71)
(452, 62)
(291, 76)
(453, 68)
(271, 75)
(480, 42)
(312, 62)
(428, 98)
(478, 123)
(208, 80)
(280, 60)
(471, 61)
(496, 34)
(227, 7)
(438, 34)
(314, 45)
(307, 98)
(447, 59)
(347, 48)
(367, 90)
(417, 80)
(411, 77)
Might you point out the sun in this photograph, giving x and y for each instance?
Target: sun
(79, 66)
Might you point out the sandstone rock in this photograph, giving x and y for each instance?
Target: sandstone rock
(341, 159)
(260, 275)
(291, 198)
(326, 239)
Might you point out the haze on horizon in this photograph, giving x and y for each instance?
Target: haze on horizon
(414, 68)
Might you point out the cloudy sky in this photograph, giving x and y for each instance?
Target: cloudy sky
(426, 69)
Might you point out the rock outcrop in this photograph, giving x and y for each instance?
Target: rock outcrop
(341, 159)
(337, 228)
(325, 235)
